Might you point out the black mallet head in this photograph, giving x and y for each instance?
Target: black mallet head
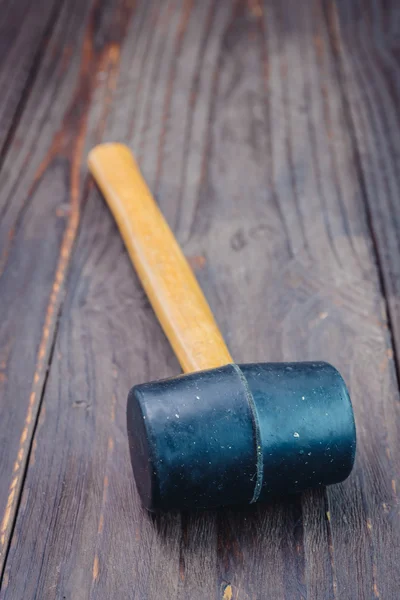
(240, 434)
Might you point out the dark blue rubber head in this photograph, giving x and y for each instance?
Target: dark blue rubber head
(240, 434)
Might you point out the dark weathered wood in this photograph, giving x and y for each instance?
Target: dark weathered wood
(367, 39)
(24, 30)
(41, 189)
(236, 113)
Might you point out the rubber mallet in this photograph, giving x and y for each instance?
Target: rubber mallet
(222, 433)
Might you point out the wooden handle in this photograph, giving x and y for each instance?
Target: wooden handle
(163, 270)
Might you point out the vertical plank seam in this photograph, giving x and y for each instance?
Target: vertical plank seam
(327, 520)
(155, 72)
(335, 40)
(289, 152)
(101, 519)
(179, 37)
(315, 156)
(15, 487)
(195, 85)
(131, 122)
(50, 328)
(54, 311)
(208, 138)
(334, 37)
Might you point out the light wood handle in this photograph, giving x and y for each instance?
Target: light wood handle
(164, 272)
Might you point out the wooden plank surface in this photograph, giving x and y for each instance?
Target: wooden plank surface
(367, 39)
(24, 30)
(24, 298)
(41, 189)
(238, 115)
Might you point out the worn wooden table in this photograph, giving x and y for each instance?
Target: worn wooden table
(270, 135)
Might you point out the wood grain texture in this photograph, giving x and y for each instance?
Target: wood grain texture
(237, 114)
(24, 31)
(366, 37)
(41, 190)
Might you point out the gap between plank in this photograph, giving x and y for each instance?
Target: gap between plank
(334, 38)
(53, 314)
(46, 368)
(15, 120)
(333, 27)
